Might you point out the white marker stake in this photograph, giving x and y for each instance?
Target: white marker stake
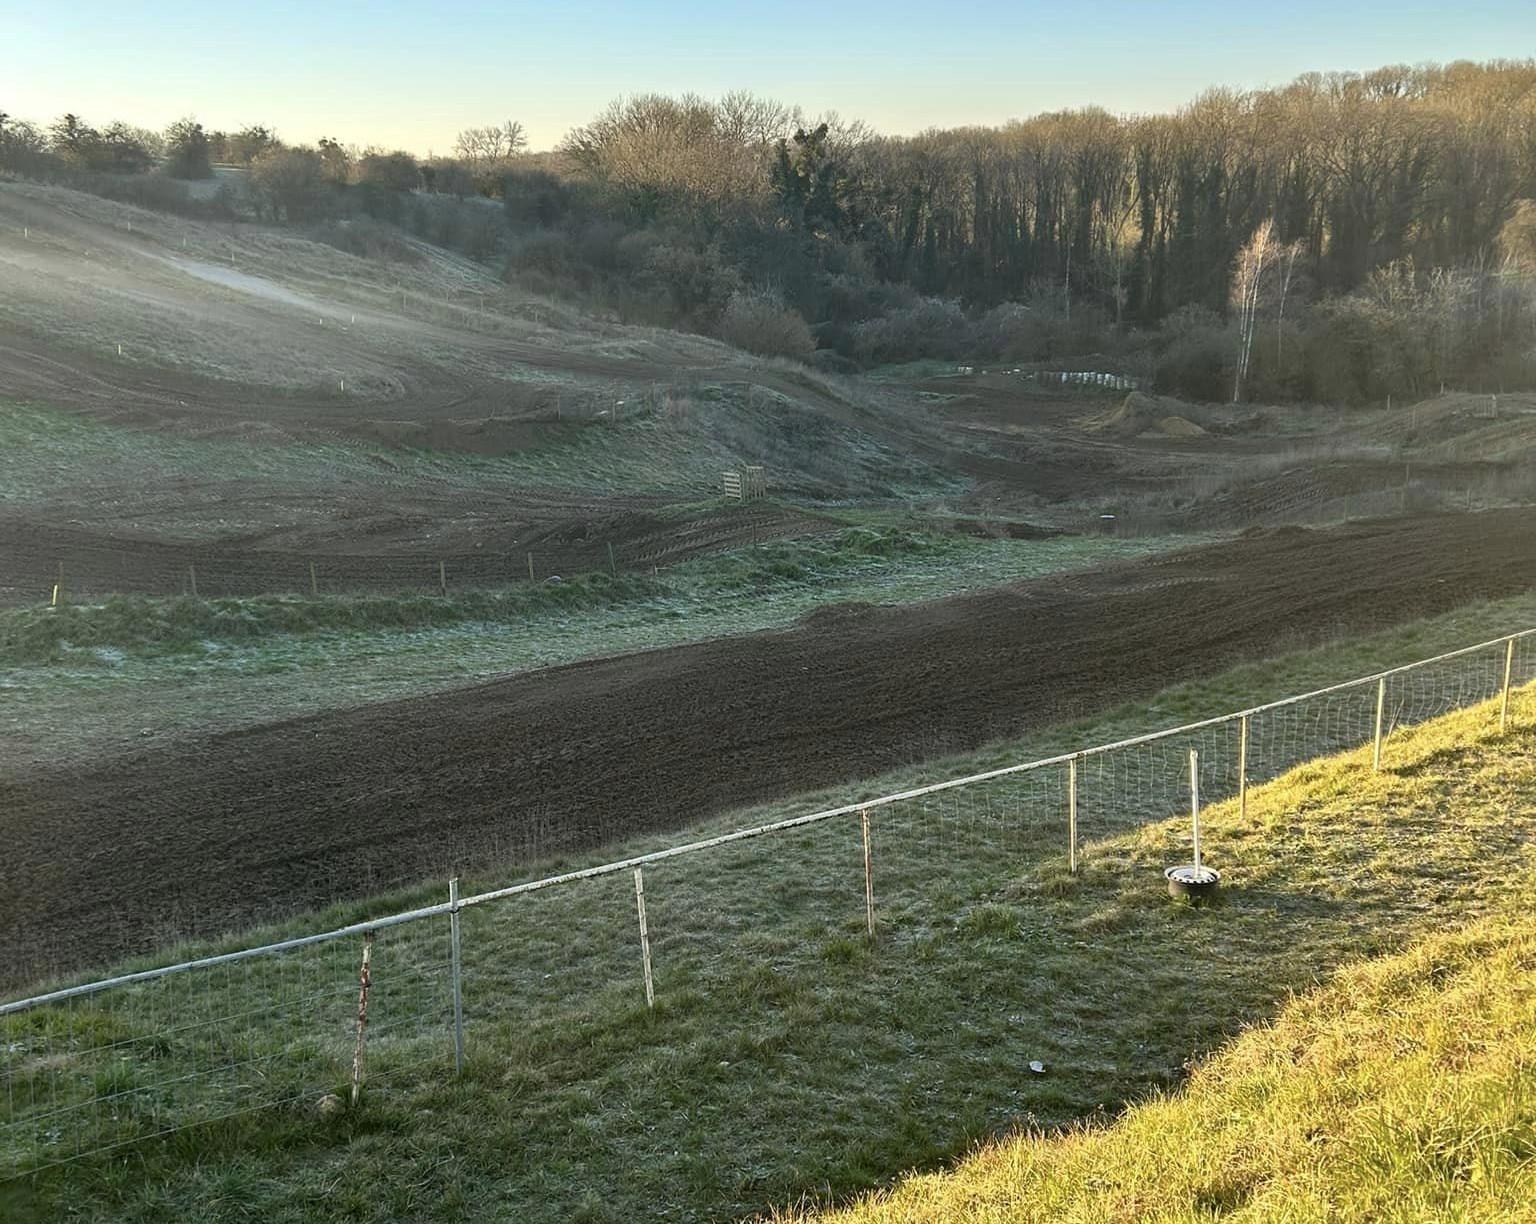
(1194, 808)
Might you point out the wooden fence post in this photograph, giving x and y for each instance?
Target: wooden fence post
(458, 989)
(869, 877)
(1242, 770)
(442, 578)
(364, 980)
(531, 578)
(645, 939)
(1381, 709)
(1509, 668)
(314, 580)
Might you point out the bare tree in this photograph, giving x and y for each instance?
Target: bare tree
(481, 145)
(1247, 285)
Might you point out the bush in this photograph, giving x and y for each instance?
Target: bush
(367, 239)
(758, 321)
(1197, 357)
(933, 328)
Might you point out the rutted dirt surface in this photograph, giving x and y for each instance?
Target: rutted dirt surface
(206, 835)
(381, 549)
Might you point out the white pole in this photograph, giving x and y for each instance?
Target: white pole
(1072, 815)
(1194, 806)
(458, 989)
(645, 938)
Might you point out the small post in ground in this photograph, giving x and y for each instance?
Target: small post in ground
(613, 565)
(458, 989)
(1381, 709)
(1072, 815)
(442, 578)
(645, 938)
(531, 578)
(192, 579)
(314, 580)
(1509, 668)
(1242, 770)
(869, 877)
(58, 587)
(1194, 808)
(364, 980)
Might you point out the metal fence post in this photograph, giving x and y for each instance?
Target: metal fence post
(458, 988)
(1194, 806)
(645, 938)
(1381, 709)
(364, 980)
(1072, 815)
(1509, 667)
(869, 877)
(1242, 770)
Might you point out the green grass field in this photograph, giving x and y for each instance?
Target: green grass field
(787, 1056)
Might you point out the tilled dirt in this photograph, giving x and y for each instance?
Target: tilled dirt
(206, 835)
(379, 552)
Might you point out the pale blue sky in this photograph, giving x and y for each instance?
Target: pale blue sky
(412, 73)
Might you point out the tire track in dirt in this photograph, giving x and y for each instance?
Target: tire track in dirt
(209, 834)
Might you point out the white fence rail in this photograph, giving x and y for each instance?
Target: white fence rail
(94, 1066)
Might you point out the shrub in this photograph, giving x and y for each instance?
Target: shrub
(758, 321)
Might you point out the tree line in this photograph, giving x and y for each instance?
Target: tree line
(1343, 236)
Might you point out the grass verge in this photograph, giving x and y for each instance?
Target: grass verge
(1403, 1090)
(788, 1055)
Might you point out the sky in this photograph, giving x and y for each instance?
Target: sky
(411, 74)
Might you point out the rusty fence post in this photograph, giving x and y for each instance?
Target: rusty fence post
(364, 980)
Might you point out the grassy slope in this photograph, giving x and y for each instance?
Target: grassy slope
(786, 1057)
(1403, 1090)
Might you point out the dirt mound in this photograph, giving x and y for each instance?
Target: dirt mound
(1179, 427)
(213, 832)
(1139, 413)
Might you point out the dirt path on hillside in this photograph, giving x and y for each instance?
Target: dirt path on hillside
(210, 834)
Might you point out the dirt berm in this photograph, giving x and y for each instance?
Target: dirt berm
(208, 834)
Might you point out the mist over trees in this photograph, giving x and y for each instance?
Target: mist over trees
(1342, 237)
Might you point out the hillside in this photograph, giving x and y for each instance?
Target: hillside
(1403, 1090)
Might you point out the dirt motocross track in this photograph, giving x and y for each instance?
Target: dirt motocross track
(208, 835)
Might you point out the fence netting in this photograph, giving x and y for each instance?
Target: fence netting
(285, 1028)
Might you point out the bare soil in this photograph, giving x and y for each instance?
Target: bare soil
(387, 548)
(208, 834)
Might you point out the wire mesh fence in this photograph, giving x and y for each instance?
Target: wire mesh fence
(303, 1024)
